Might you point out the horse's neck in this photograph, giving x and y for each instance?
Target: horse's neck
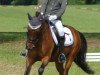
(46, 30)
(46, 35)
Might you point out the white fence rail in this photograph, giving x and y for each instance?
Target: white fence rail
(93, 57)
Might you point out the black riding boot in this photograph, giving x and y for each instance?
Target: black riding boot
(62, 57)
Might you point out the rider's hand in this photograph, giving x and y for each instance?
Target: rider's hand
(52, 17)
(42, 13)
(41, 16)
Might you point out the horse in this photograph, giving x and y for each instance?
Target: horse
(41, 47)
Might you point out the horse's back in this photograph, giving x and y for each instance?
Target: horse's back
(76, 36)
(68, 49)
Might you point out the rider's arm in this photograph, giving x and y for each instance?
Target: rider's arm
(62, 9)
(43, 8)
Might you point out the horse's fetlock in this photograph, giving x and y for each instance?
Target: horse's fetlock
(41, 70)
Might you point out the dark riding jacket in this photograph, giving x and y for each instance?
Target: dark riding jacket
(54, 7)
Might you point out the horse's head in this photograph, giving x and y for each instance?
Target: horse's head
(34, 32)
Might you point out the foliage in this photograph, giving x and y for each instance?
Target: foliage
(90, 1)
(34, 2)
(18, 2)
(24, 2)
(71, 2)
(5, 2)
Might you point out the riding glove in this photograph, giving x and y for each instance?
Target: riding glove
(42, 13)
(52, 17)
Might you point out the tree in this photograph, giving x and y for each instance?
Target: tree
(95, 1)
(90, 1)
(24, 2)
(5, 2)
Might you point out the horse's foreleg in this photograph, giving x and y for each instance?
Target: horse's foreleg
(45, 61)
(59, 67)
(29, 63)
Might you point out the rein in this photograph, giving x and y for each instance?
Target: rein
(33, 41)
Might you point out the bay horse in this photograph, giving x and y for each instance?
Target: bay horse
(41, 47)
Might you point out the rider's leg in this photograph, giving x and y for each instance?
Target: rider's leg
(59, 27)
(24, 53)
(61, 38)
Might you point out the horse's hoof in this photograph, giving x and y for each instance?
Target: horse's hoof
(62, 58)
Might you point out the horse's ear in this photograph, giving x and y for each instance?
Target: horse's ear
(29, 16)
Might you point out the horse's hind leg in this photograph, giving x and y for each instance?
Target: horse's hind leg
(68, 65)
(69, 61)
(45, 61)
(59, 67)
(29, 63)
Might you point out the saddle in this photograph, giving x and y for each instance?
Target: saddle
(68, 35)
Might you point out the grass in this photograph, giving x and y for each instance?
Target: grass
(12, 64)
(14, 19)
(10, 61)
(12, 36)
(13, 22)
(85, 20)
(82, 17)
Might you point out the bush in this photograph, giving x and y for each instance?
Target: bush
(34, 2)
(24, 2)
(5, 2)
(73, 2)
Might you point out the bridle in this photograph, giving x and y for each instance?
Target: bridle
(34, 40)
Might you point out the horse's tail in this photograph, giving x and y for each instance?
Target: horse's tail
(80, 59)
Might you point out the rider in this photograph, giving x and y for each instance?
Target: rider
(54, 9)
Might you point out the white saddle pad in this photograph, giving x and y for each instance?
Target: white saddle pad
(68, 36)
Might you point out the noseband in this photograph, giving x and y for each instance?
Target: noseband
(35, 25)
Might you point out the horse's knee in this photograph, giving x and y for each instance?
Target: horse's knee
(44, 63)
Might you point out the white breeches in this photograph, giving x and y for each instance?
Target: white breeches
(68, 36)
(59, 27)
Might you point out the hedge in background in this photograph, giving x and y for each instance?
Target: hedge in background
(83, 2)
(34, 2)
(5, 2)
(18, 2)
(24, 2)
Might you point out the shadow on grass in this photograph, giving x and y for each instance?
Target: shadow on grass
(12, 36)
(92, 35)
(18, 36)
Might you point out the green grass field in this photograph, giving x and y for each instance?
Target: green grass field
(12, 64)
(13, 23)
(85, 18)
